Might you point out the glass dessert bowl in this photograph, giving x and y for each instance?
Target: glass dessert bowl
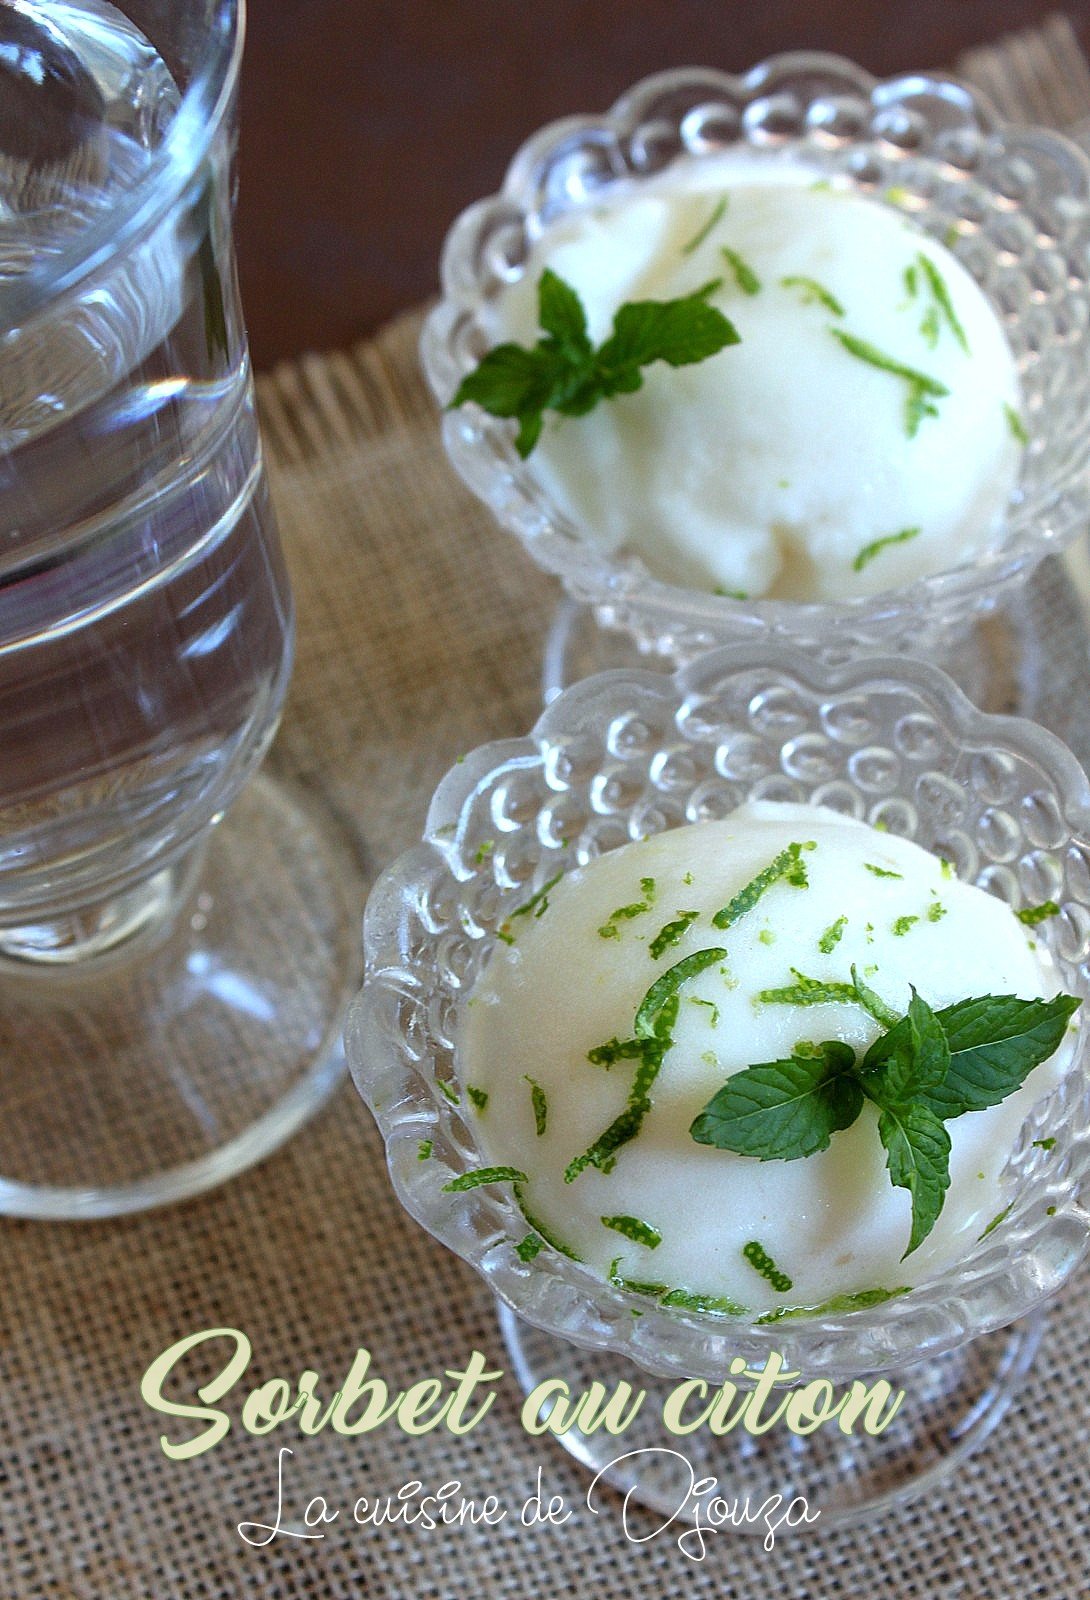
(1011, 204)
(628, 755)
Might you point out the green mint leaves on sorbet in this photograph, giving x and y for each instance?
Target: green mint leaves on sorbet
(566, 374)
(925, 1069)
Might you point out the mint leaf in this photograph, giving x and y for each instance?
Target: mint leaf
(679, 332)
(564, 373)
(908, 1060)
(995, 1041)
(783, 1110)
(918, 1157)
(511, 381)
(561, 314)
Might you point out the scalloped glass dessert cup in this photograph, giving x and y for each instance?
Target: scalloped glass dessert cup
(622, 756)
(1018, 201)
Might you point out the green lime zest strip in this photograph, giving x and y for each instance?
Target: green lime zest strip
(807, 992)
(632, 1228)
(482, 1175)
(609, 928)
(787, 865)
(813, 291)
(832, 936)
(685, 1299)
(716, 1305)
(1015, 423)
(603, 1152)
(759, 1258)
(671, 934)
(550, 1238)
(996, 1220)
(703, 231)
(921, 388)
(538, 903)
(744, 275)
(540, 1104)
(1032, 915)
(665, 988)
(876, 546)
(840, 1303)
(882, 1013)
(937, 284)
(614, 1050)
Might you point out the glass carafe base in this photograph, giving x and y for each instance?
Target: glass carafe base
(195, 1048)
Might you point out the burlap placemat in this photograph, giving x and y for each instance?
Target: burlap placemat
(420, 635)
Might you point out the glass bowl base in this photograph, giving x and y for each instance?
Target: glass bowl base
(156, 1074)
(1029, 657)
(952, 1403)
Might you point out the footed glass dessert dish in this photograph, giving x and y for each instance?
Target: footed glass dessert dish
(1011, 205)
(625, 756)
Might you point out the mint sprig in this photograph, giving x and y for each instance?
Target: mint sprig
(994, 1045)
(784, 1110)
(563, 372)
(925, 1069)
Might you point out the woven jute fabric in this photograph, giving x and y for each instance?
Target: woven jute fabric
(420, 635)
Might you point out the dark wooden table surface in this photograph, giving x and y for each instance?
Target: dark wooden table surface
(368, 124)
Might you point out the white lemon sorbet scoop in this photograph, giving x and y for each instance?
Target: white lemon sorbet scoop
(863, 431)
(762, 1064)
